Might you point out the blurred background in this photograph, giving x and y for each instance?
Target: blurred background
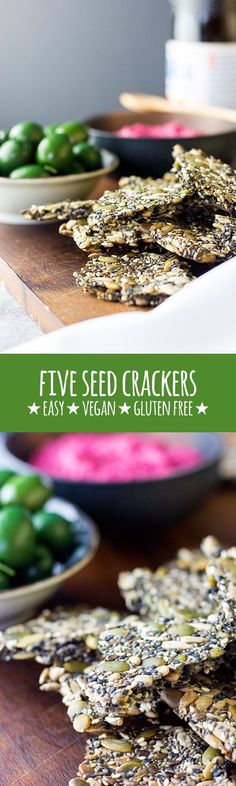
(62, 59)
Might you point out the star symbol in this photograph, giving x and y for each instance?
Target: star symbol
(124, 409)
(33, 408)
(73, 408)
(201, 410)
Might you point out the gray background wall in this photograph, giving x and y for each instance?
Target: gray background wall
(63, 59)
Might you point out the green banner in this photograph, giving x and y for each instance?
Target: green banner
(118, 393)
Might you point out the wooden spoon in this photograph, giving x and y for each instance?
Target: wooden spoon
(142, 102)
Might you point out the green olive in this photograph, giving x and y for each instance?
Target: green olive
(53, 530)
(5, 581)
(5, 475)
(87, 155)
(77, 132)
(41, 565)
(47, 130)
(50, 169)
(76, 168)
(4, 134)
(28, 490)
(29, 171)
(7, 570)
(13, 154)
(17, 537)
(27, 132)
(55, 150)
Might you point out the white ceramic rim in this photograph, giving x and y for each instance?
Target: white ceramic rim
(57, 179)
(65, 574)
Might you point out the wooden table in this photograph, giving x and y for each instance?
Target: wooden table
(37, 266)
(38, 746)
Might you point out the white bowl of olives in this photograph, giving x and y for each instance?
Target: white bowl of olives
(44, 541)
(46, 165)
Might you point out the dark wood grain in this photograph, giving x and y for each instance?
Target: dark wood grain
(37, 266)
(38, 746)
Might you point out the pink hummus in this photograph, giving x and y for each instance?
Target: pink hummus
(171, 130)
(107, 458)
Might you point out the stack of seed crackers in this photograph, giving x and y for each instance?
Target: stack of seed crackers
(155, 688)
(149, 238)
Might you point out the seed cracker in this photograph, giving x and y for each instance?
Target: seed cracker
(143, 280)
(116, 206)
(99, 700)
(63, 211)
(222, 574)
(162, 756)
(197, 583)
(208, 705)
(137, 183)
(193, 240)
(60, 634)
(131, 234)
(213, 181)
(139, 661)
(179, 589)
(159, 648)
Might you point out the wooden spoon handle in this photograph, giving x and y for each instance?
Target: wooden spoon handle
(142, 102)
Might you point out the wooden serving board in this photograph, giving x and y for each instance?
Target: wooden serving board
(37, 266)
(38, 746)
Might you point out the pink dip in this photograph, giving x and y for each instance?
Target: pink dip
(171, 130)
(107, 458)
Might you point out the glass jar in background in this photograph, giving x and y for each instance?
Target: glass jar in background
(228, 464)
(201, 56)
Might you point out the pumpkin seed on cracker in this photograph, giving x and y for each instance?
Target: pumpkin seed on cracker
(60, 634)
(141, 280)
(161, 756)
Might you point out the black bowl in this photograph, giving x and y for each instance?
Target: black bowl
(154, 156)
(118, 507)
